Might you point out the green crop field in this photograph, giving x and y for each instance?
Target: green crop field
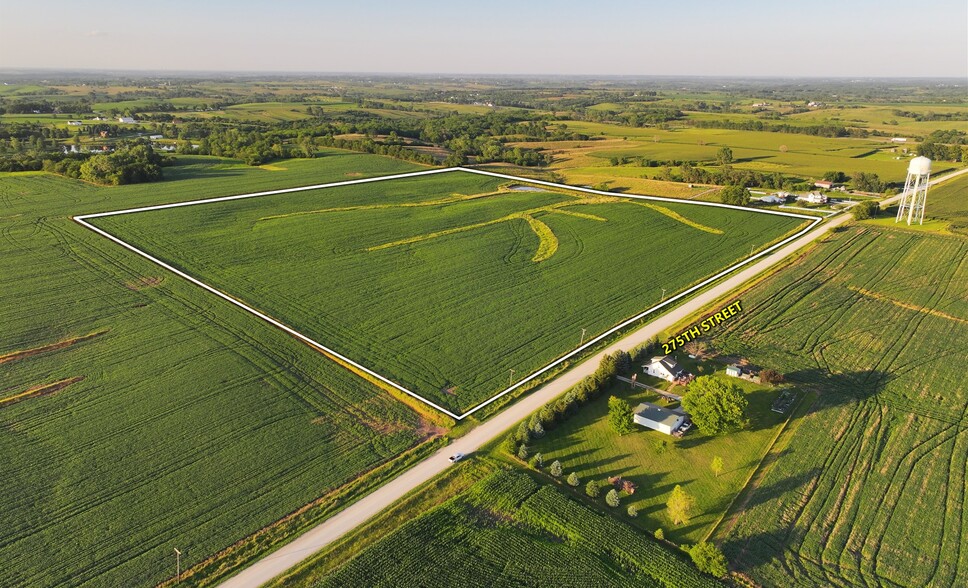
(796, 156)
(138, 413)
(445, 283)
(505, 531)
(870, 490)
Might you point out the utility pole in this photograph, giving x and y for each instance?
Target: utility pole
(582, 342)
(177, 565)
(663, 294)
(511, 379)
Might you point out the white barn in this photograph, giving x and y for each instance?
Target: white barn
(664, 367)
(657, 418)
(774, 199)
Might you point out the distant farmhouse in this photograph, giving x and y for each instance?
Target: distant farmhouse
(664, 367)
(898, 139)
(824, 184)
(126, 120)
(74, 123)
(814, 198)
(657, 418)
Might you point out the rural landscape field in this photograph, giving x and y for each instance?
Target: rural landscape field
(213, 427)
(517, 295)
(450, 283)
(870, 488)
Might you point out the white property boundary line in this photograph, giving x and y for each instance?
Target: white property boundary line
(82, 219)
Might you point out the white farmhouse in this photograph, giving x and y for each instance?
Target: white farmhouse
(814, 198)
(664, 367)
(657, 418)
(126, 120)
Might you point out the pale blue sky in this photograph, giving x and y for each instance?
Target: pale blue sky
(689, 37)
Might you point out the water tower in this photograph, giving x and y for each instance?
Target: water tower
(915, 195)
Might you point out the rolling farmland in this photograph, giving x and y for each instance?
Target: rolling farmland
(446, 283)
(138, 414)
(871, 487)
(508, 530)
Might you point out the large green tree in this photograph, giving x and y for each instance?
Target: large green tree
(620, 415)
(708, 558)
(715, 405)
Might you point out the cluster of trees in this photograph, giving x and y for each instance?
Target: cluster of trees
(760, 125)
(723, 175)
(43, 106)
(866, 209)
(464, 135)
(634, 118)
(589, 388)
(945, 145)
(930, 116)
(128, 164)
(736, 195)
(867, 182)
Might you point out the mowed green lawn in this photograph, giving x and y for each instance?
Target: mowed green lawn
(183, 421)
(871, 487)
(448, 316)
(587, 445)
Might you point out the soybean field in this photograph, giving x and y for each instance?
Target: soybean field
(870, 489)
(139, 414)
(510, 531)
(449, 284)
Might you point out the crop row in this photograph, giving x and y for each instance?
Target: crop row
(482, 538)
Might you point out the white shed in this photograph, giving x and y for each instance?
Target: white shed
(657, 418)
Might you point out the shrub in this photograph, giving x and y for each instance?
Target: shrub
(592, 489)
(535, 427)
(659, 534)
(523, 435)
(612, 498)
(770, 376)
(555, 469)
(547, 416)
(510, 444)
(633, 512)
(537, 462)
(523, 451)
(573, 480)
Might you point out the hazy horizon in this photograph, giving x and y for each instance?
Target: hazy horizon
(615, 38)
